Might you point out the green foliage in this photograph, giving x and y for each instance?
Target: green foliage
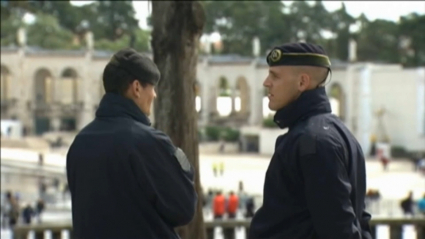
(224, 87)
(47, 33)
(379, 40)
(230, 135)
(215, 133)
(269, 123)
(58, 23)
(224, 84)
(9, 29)
(212, 133)
(275, 22)
(114, 26)
(399, 152)
(412, 28)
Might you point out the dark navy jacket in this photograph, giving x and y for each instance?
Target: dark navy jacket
(316, 182)
(127, 180)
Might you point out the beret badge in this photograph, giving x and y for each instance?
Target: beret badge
(275, 55)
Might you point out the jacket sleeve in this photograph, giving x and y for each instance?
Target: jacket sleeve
(327, 190)
(366, 232)
(169, 177)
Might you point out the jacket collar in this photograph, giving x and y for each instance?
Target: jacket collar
(114, 105)
(310, 103)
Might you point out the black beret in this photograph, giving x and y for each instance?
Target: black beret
(137, 65)
(298, 54)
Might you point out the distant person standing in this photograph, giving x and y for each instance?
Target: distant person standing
(232, 205)
(242, 195)
(250, 208)
(407, 205)
(209, 201)
(221, 168)
(6, 208)
(39, 209)
(222, 145)
(421, 205)
(215, 168)
(14, 211)
(421, 166)
(373, 145)
(27, 214)
(219, 205)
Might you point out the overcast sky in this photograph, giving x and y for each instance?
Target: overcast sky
(390, 10)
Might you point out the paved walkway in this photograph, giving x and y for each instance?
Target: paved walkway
(393, 184)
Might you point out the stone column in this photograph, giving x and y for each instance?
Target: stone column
(256, 104)
(57, 85)
(420, 82)
(205, 102)
(233, 97)
(85, 101)
(212, 100)
(244, 100)
(349, 97)
(55, 122)
(26, 88)
(56, 91)
(365, 111)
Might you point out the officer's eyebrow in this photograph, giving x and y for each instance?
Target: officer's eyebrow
(272, 72)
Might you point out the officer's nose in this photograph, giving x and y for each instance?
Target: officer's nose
(266, 83)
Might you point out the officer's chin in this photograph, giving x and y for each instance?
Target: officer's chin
(272, 107)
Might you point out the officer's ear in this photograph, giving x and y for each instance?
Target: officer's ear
(304, 82)
(134, 89)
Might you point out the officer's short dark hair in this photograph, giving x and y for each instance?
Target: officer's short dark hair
(126, 66)
(116, 80)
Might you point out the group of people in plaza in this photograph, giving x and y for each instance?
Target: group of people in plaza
(14, 212)
(223, 207)
(382, 152)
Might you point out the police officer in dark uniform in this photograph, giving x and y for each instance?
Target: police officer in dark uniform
(316, 181)
(127, 179)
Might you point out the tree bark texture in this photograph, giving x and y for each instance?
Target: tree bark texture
(177, 28)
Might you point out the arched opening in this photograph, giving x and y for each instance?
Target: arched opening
(198, 99)
(337, 100)
(43, 87)
(224, 99)
(242, 99)
(5, 81)
(69, 86)
(69, 83)
(42, 97)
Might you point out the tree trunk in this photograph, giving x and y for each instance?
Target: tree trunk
(177, 27)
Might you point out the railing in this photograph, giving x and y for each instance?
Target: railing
(58, 230)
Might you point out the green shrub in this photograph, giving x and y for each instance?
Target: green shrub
(399, 152)
(269, 123)
(200, 135)
(215, 133)
(212, 133)
(231, 135)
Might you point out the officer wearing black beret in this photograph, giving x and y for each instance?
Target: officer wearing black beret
(316, 182)
(127, 180)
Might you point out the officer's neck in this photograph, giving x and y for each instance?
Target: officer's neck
(309, 103)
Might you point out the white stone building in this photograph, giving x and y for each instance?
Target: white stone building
(59, 90)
